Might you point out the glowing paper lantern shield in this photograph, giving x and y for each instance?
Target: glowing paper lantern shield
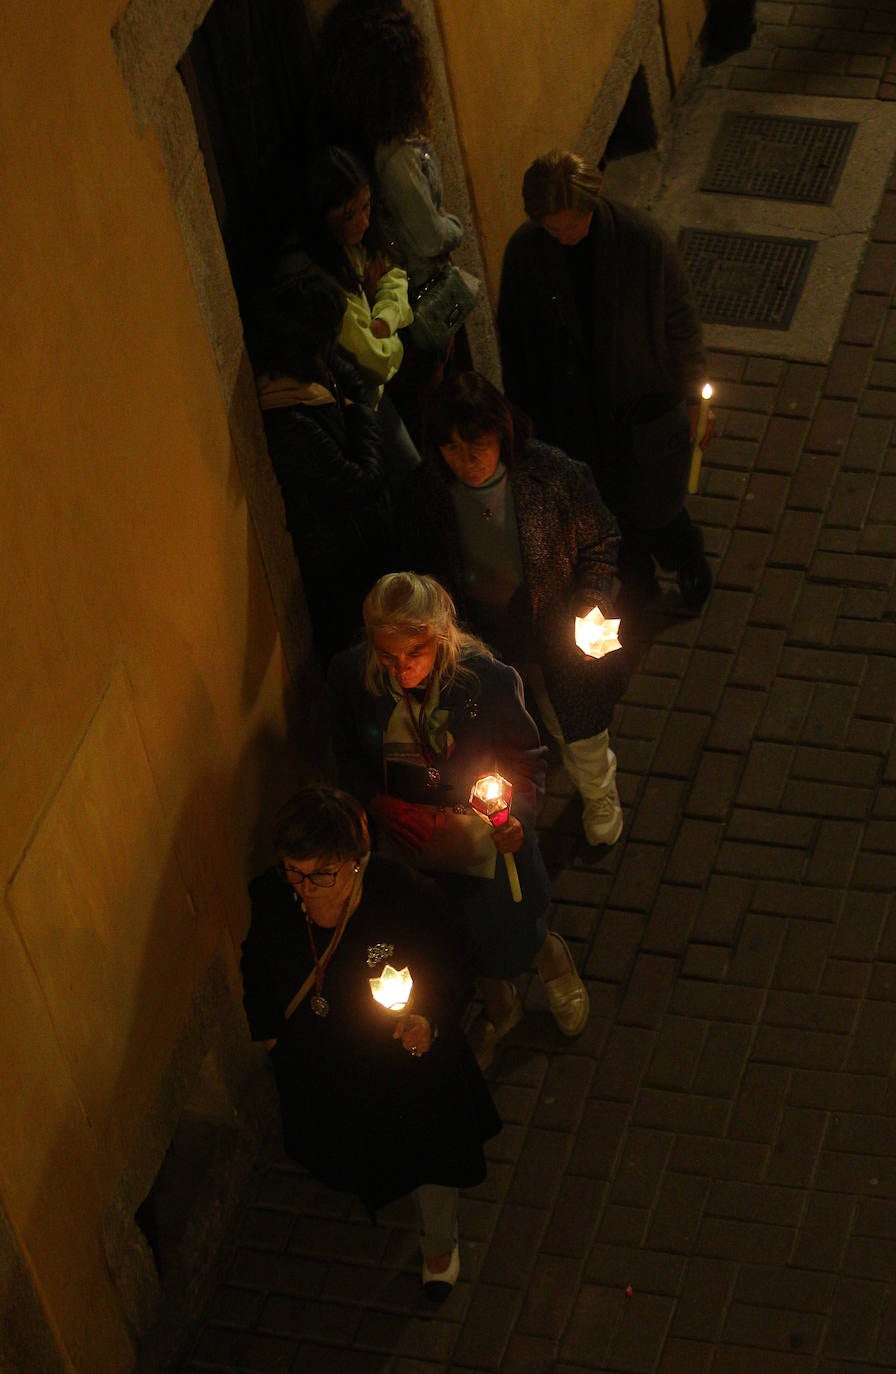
(597, 636)
(393, 988)
(491, 796)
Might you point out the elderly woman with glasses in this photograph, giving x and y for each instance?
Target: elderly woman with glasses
(374, 1101)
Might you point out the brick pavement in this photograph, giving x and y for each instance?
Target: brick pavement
(722, 1139)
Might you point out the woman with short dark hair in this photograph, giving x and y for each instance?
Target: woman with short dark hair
(518, 533)
(372, 1103)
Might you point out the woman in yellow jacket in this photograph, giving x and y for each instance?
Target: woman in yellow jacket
(334, 238)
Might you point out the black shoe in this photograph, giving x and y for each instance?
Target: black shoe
(639, 591)
(718, 47)
(694, 581)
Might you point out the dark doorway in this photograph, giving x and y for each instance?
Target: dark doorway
(247, 74)
(635, 130)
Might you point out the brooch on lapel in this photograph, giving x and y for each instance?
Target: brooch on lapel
(377, 953)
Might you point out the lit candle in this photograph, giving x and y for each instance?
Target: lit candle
(393, 989)
(697, 452)
(490, 799)
(596, 635)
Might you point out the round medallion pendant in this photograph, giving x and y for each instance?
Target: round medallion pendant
(320, 1006)
(433, 777)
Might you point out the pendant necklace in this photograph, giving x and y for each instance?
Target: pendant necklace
(317, 1002)
(432, 775)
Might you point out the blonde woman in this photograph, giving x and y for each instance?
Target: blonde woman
(421, 709)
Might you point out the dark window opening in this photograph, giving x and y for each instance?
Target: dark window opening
(635, 130)
(247, 74)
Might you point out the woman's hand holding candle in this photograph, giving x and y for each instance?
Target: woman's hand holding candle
(508, 838)
(490, 798)
(415, 1034)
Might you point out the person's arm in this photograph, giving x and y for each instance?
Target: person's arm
(358, 762)
(264, 1010)
(684, 338)
(596, 537)
(519, 753)
(390, 301)
(514, 323)
(307, 455)
(377, 359)
(421, 227)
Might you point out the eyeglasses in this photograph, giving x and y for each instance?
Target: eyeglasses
(323, 878)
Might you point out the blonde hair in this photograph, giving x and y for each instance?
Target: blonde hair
(412, 603)
(560, 180)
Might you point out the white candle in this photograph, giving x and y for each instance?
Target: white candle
(490, 798)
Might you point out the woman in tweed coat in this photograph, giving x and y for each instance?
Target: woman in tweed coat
(518, 533)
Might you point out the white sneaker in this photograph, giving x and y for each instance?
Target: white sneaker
(602, 818)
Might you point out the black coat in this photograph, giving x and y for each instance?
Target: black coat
(646, 341)
(359, 1111)
(327, 458)
(568, 541)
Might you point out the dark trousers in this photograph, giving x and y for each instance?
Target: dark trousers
(676, 545)
(731, 22)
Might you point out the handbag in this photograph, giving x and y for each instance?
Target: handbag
(440, 306)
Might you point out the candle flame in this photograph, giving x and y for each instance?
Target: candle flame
(393, 988)
(707, 392)
(490, 797)
(596, 635)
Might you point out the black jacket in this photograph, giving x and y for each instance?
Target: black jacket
(358, 1110)
(646, 341)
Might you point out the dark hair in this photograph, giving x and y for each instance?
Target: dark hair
(471, 406)
(374, 74)
(321, 822)
(560, 180)
(294, 326)
(335, 176)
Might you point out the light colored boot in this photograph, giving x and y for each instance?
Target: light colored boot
(591, 764)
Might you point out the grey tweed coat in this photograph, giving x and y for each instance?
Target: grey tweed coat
(568, 541)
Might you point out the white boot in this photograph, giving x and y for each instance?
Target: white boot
(591, 764)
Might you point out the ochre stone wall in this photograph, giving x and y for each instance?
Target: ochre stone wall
(527, 78)
(524, 79)
(143, 684)
(682, 22)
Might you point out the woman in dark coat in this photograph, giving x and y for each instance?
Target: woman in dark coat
(420, 712)
(325, 445)
(599, 335)
(519, 535)
(372, 1104)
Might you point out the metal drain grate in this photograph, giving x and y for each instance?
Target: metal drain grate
(779, 158)
(745, 279)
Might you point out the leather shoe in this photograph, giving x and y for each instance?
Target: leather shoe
(484, 1035)
(694, 581)
(568, 997)
(437, 1287)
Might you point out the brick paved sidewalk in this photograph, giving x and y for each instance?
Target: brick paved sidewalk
(722, 1139)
